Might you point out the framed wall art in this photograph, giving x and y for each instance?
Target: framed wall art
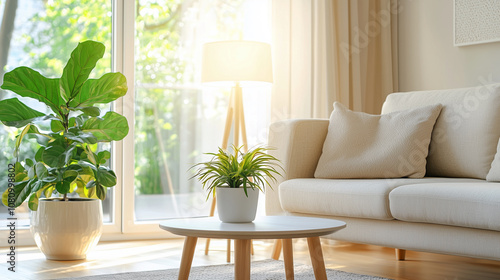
(476, 22)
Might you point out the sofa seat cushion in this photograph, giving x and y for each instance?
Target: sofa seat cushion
(359, 198)
(474, 205)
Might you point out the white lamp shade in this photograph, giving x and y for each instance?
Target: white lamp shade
(236, 61)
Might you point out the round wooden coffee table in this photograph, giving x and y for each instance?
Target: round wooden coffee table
(268, 227)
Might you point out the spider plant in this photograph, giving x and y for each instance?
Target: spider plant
(237, 169)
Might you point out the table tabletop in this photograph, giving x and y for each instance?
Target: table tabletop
(264, 227)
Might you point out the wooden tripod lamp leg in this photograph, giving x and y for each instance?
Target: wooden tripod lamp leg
(237, 115)
(241, 116)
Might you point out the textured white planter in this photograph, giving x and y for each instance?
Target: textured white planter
(234, 206)
(67, 230)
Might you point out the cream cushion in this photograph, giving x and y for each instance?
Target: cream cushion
(361, 198)
(464, 139)
(360, 145)
(494, 173)
(464, 204)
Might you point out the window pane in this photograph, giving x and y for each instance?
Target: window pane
(176, 119)
(43, 36)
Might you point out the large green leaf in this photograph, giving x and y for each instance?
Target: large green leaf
(41, 170)
(21, 191)
(106, 177)
(14, 113)
(54, 155)
(112, 126)
(108, 88)
(63, 187)
(29, 83)
(83, 59)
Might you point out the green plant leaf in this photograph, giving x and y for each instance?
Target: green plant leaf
(81, 137)
(108, 88)
(48, 191)
(72, 122)
(76, 167)
(106, 177)
(103, 156)
(21, 191)
(89, 155)
(38, 155)
(69, 154)
(83, 59)
(5, 198)
(56, 126)
(33, 201)
(54, 156)
(100, 192)
(112, 126)
(90, 184)
(21, 173)
(19, 139)
(49, 179)
(91, 193)
(70, 176)
(27, 82)
(63, 187)
(31, 172)
(91, 111)
(14, 113)
(29, 162)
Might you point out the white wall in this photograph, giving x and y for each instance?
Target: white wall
(427, 57)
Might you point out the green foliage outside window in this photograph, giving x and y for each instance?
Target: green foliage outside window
(163, 109)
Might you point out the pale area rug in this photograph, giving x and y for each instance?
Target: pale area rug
(260, 270)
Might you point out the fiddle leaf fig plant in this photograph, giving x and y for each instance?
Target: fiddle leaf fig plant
(68, 160)
(237, 169)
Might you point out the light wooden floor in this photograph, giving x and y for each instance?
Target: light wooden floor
(116, 257)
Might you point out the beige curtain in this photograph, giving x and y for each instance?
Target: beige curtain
(333, 50)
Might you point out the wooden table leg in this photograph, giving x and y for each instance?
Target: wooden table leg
(242, 259)
(277, 249)
(288, 258)
(317, 260)
(187, 257)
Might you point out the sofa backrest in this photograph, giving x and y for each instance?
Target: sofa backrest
(465, 136)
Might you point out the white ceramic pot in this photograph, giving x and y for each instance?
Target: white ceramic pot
(233, 206)
(67, 230)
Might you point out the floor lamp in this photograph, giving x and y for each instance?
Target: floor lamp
(240, 63)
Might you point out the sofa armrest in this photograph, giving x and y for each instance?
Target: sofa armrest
(298, 145)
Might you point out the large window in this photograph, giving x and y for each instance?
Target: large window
(174, 119)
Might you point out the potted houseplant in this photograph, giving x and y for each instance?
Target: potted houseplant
(235, 178)
(68, 162)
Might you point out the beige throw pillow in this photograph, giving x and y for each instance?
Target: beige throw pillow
(360, 145)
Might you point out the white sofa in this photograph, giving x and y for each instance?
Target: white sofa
(453, 210)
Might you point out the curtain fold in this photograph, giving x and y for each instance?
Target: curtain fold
(327, 51)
